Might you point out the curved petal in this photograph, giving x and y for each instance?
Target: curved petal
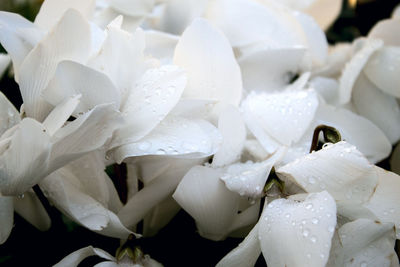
(60, 114)
(73, 259)
(134, 8)
(72, 78)
(248, 22)
(31, 209)
(155, 191)
(295, 233)
(68, 40)
(374, 105)
(325, 87)
(248, 179)
(52, 10)
(18, 36)
(204, 196)
(317, 43)
(284, 116)
(64, 190)
(85, 134)
(388, 30)
(206, 55)
(324, 12)
(178, 14)
(121, 57)
(364, 243)
(339, 169)
(25, 160)
(160, 45)
(5, 60)
(6, 217)
(244, 255)
(356, 130)
(383, 68)
(269, 69)
(354, 66)
(384, 201)
(9, 115)
(233, 130)
(174, 136)
(153, 97)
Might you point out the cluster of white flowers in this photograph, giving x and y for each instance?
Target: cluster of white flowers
(197, 98)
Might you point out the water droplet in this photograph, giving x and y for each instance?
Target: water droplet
(21, 196)
(363, 264)
(144, 145)
(306, 232)
(309, 206)
(308, 255)
(314, 220)
(331, 229)
(287, 215)
(322, 255)
(313, 239)
(311, 180)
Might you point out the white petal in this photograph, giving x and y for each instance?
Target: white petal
(316, 39)
(383, 68)
(255, 150)
(72, 78)
(388, 30)
(9, 115)
(85, 134)
(31, 209)
(213, 73)
(298, 233)
(374, 105)
(204, 196)
(160, 45)
(338, 55)
(284, 116)
(384, 201)
(18, 36)
(396, 12)
(132, 8)
(248, 22)
(65, 191)
(68, 40)
(24, 162)
(178, 14)
(153, 97)
(174, 136)
(5, 60)
(121, 57)
(73, 259)
(363, 243)
(244, 255)
(155, 191)
(353, 68)
(325, 87)
(60, 114)
(269, 69)
(324, 12)
(248, 179)
(107, 264)
(233, 131)
(6, 217)
(52, 10)
(356, 130)
(339, 169)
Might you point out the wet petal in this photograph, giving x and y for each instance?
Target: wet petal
(339, 169)
(9, 115)
(296, 233)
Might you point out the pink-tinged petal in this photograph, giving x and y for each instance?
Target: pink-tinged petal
(68, 40)
(207, 57)
(294, 233)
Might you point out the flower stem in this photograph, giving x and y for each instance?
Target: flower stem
(331, 135)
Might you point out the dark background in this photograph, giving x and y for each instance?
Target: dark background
(178, 244)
